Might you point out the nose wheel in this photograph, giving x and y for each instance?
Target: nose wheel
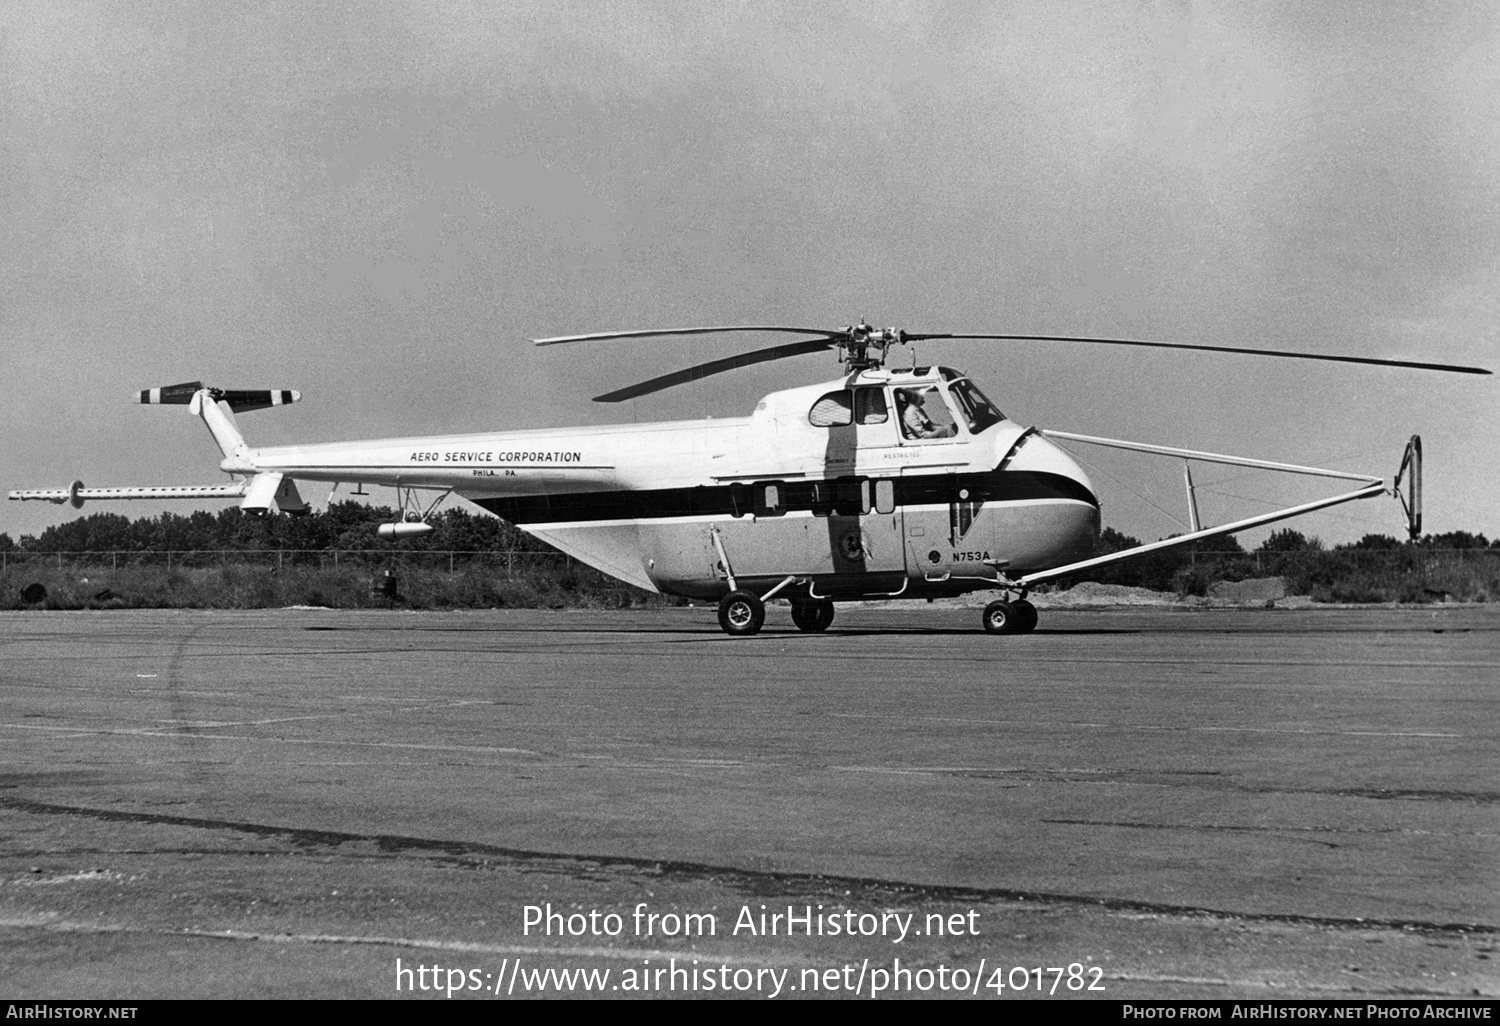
(1002, 617)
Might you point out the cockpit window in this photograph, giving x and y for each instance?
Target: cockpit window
(833, 410)
(923, 414)
(978, 411)
(869, 406)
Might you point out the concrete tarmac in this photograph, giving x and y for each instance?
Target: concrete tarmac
(1152, 802)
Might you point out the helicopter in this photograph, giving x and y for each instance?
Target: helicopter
(882, 483)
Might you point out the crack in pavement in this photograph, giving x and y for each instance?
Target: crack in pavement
(747, 880)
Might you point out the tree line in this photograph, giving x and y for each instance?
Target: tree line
(344, 525)
(1376, 568)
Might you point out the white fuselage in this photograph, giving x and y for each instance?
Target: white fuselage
(831, 484)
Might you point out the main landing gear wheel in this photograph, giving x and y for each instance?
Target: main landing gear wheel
(1025, 616)
(812, 616)
(1002, 617)
(741, 613)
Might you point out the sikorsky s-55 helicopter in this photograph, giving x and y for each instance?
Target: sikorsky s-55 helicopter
(882, 483)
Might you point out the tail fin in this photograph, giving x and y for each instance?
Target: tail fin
(220, 420)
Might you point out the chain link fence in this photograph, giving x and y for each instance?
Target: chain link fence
(511, 563)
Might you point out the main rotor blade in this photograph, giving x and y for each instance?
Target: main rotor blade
(654, 333)
(909, 337)
(703, 370)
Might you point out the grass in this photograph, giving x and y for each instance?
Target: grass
(261, 587)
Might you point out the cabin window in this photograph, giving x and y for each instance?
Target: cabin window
(820, 498)
(739, 499)
(833, 410)
(851, 496)
(923, 414)
(885, 495)
(977, 410)
(770, 500)
(842, 497)
(869, 406)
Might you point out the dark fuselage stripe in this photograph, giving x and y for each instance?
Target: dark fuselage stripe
(735, 500)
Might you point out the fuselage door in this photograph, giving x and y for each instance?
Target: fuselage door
(880, 534)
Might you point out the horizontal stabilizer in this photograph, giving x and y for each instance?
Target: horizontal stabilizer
(239, 400)
(76, 493)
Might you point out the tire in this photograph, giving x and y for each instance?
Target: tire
(741, 613)
(812, 616)
(1026, 616)
(1000, 617)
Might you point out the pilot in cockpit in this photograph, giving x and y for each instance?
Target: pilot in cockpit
(916, 422)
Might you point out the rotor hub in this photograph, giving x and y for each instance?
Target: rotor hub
(863, 347)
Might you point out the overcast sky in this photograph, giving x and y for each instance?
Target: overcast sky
(377, 203)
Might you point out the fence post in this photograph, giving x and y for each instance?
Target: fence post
(278, 561)
(450, 561)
